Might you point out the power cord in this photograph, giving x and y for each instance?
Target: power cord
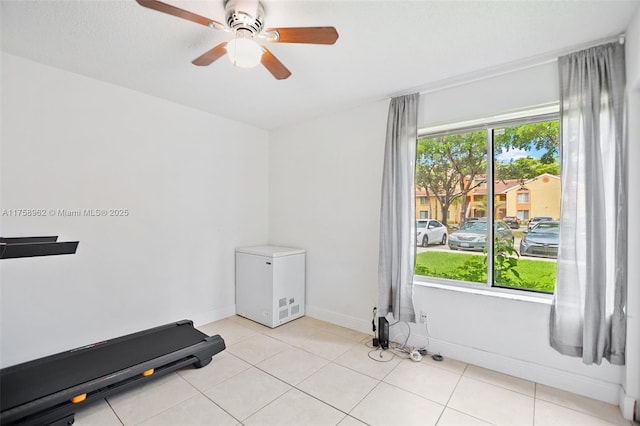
(395, 350)
(408, 334)
(426, 329)
(381, 356)
(373, 326)
(401, 349)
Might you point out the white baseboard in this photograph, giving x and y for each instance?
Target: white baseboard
(213, 315)
(582, 385)
(538, 373)
(343, 320)
(628, 405)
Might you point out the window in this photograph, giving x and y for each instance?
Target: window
(424, 200)
(480, 177)
(523, 197)
(424, 214)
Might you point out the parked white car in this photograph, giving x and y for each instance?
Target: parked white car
(430, 231)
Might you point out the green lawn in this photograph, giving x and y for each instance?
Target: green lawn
(538, 275)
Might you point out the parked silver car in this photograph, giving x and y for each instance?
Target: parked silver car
(535, 220)
(542, 240)
(473, 235)
(430, 231)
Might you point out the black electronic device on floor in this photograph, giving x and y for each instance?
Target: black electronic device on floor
(383, 332)
(47, 391)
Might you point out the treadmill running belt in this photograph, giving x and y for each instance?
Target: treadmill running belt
(44, 376)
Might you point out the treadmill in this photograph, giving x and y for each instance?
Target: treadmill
(47, 391)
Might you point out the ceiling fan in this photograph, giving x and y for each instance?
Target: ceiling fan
(245, 18)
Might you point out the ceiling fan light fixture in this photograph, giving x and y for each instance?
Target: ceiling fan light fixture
(244, 52)
(245, 18)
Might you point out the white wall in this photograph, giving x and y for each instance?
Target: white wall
(510, 336)
(632, 52)
(325, 178)
(527, 87)
(195, 186)
(632, 376)
(632, 373)
(325, 183)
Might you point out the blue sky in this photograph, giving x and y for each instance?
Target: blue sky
(513, 154)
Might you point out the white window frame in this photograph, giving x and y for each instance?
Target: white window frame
(546, 112)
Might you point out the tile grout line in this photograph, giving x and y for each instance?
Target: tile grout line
(240, 372)
(312, 396)
(299, 390)
(583, 412)
(362, 342)
(451, 396)
(296, 387)
(352, 344)
(114, 411)
(446, 405)
(217, 405)
(332, 361)
(487, 381)
(535, 400)
(174, 404)
(435, 366)
(577, 410)
(205, 395)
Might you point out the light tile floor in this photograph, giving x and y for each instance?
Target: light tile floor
(309, 372)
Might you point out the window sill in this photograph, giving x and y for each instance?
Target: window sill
(503, 293)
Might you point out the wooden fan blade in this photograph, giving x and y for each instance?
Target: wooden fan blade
(210, 56)
(311, 35)
(275, 67)
(180, 13)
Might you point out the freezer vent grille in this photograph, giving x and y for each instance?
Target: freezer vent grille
(282, 302)
(284, 313)
(295, 309)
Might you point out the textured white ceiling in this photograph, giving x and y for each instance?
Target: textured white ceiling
(385, 47)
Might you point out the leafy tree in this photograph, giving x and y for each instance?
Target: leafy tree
(468, 154)
(434, 174)
(525, 168)
(447, 166)
(543, 135)
(482, 205)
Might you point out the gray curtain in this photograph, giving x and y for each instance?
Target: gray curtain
(397, 212)
(588, 311)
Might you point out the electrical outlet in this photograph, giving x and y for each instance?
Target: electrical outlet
(423, 317)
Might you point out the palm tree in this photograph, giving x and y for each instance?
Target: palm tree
(481, 205)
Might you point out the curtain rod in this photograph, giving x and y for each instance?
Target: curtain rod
(502, 69)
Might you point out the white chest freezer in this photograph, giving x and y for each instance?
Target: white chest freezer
(270, 284)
